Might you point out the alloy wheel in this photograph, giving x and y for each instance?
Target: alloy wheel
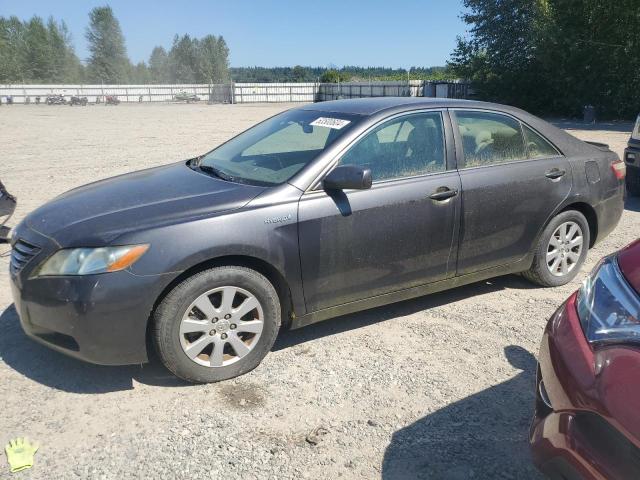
(221, 326)
(565, 249)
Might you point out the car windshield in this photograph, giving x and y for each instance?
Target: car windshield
(275, 150)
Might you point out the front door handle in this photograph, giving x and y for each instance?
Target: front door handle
(555, 173)
(443, 193)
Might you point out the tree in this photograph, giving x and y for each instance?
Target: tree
(38, 62)
(159, 65)
(193, 60)
(182, 60)
(140, 74)
(299, 74)
(66, 67)
(499, 57)
(334, 76)
(11, 50)
(33, 52)
(212, 60)
(590, 55)
(108, 62)
(553, 56)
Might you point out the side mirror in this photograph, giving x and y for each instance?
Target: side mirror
(348, 177)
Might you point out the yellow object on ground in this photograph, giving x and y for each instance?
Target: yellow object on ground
(20, 454)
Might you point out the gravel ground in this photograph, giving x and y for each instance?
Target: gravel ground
(438, 387)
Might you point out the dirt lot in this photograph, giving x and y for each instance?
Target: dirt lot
(439, 387)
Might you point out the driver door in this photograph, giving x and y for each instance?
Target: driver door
(357, 244)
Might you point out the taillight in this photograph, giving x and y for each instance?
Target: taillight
(619, 169)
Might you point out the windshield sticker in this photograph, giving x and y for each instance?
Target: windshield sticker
(335, 123)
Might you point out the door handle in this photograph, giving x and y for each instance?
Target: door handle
(442, 194)
(555, 173)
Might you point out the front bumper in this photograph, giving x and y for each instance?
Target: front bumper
(587, 431)
(97, 318)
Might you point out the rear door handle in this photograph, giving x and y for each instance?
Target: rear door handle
(555, 173)
(442, 194)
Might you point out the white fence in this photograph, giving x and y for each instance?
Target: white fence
(275, 92)
(239, 92)
(220, 93)
(125, 93)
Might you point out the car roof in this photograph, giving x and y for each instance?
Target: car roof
(371, 106)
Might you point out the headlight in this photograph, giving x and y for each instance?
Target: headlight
(609, 309)
(86, 261)
(636, 130)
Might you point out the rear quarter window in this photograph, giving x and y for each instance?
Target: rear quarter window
(537, 146)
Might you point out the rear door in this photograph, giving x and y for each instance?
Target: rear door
(513, 179)
(359, 244)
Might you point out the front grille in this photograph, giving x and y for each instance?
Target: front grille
(21, 254)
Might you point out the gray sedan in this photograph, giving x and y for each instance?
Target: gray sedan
(320, 211)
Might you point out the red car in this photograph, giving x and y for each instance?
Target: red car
(587, 421)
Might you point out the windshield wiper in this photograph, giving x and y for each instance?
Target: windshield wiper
(216, 172)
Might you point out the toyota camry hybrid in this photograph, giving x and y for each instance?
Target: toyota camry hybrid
(320, 211)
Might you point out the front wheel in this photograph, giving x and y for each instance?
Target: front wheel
(561, 250)
(217, 324)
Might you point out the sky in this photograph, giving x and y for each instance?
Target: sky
(387, 33)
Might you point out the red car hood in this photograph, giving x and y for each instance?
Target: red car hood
(629, 262)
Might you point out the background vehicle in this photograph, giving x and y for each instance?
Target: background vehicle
(7, 207)
(632, 159)
(186, 97)
(78, 101)
(586, 424)
(56, 100)
(317, 212)
(111, 100)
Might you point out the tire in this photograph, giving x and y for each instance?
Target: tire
(633, 184)
(178, 311)
(540, 272)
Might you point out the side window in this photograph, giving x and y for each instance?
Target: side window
(490, 138)
(537, 146)
(407, 146)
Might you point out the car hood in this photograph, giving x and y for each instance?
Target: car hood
(629, 262)
(98, 213)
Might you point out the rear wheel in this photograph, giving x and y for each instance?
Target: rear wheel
(217, 324)
(561, 250)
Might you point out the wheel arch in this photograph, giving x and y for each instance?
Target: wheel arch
(261, 266)
(585, 209)
(589, 213)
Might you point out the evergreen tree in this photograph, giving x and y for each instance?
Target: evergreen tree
(38, 59)
(182, 60)
(209, 62)
(159, 65)
(66, 67)
(108, 62)
(12, 50)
